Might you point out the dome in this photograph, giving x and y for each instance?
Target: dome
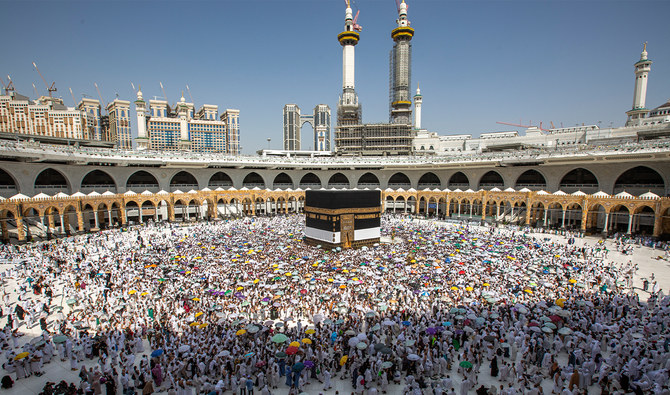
(624, 195)
(600, 194)
(649, 195)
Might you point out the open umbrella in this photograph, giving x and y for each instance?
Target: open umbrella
(21, 355)
(294, 344)
(291, 350)
(465, 364)
(279, 338)
(386, 365)
(298, 367)
(60, 339)
(413, 357)
(280, 355)
(157, 353)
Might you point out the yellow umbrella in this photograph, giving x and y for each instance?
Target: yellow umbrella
(486, 284)
(239, 288)
(288, 274)
(294, 344)
(310, 331)
(21, 355)
(144, 294)
(196, 299)
(454, 288)
(241, 332)
(330, 280)
(315, 264)
(345, 271)
(256, 281)
(343, 360)
(198, 314)
(343, 286)
(355, 279)
(560, 302)
(528, 291)
(204, 325)
(275, 265)
(572, 281)
(132, 292)
(193, 324)
(307, 341)
(469, 289)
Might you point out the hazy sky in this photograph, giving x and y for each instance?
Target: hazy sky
(478, 62)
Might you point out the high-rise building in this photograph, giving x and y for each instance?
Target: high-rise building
(231, 119)
(321, 127)
(91, 110)
(349, 111)
(400, 109)
(184, 129)
(294, 120)
(46, 118)
(119, 123)
(639, 111)
(292, 126)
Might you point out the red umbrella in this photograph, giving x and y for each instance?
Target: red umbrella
(555, 319)
(303, 291)
(291, 350)
(461, 272)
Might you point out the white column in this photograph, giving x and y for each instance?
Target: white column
(563, 220)
(545, 218)
(62, 224)
(437, 208)
(459, 209)
(95, 216)
(607, 217)
(139, 210)
(470, 209)
(630, 222)
(109, 215)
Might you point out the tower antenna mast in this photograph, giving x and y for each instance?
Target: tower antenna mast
(51, 88)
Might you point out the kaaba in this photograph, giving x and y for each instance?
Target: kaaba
(341, 218)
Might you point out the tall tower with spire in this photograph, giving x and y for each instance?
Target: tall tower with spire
(348, 108)
(400, 69)
(142, 139)
(642, 68)
(417, 108)
(183, 114)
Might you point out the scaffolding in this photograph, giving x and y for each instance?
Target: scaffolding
(378, 139)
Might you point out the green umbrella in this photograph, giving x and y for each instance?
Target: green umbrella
(465, 364)
(60, 339)
(279, 338)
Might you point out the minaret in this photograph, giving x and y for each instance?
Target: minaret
(639, 111)
(348, 108)
(182, 113)
(400, 64)
(417, 108)
(142, 140)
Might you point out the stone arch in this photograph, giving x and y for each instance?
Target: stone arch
(282, 181)
(399, 180)
(253, 180)
(51, 181)
(8, 185)
(531, 179)
(491, 179)
(183, 181)
(459, 180)
(368, 180)
(310, 180)
(579, 179)
(619, 218)
(644, 217)
(429, 180)
(142, 180)
(638, 180)
(389, 204)
(220, 180)
(98, 180)
(338, 180)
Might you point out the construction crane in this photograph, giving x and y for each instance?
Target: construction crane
(523, 126)
(10, 85)
(73, 99)
(102, 102)
(51, 88)
(356, 26)
(35, 90)
(189, 93)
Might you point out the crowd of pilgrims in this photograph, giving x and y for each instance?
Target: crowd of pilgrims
(242, 305)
